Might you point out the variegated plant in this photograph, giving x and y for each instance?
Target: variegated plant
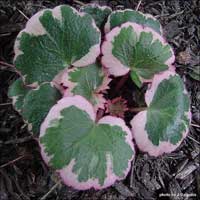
(65, 71)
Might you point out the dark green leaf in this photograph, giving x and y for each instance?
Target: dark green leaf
(17, 92)
(88, 80)
(72, 136)
(118, 18)
(37, 104)
(99, 13)
(167, 116)
(53, 40)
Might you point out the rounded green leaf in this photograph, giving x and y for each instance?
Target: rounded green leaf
(99, 13)
(135, 48)
(161, 128)
(37, 104)
(17, 92)
(54, 40)
(120, 17)
(86, 153)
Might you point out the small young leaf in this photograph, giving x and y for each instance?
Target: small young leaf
(53, 40)
(17, 92)
(136, 48)
(116, 107)
(37, 104)
(119, 17)
(85, 153)
(89, 81)
(99, 13)
(161, 128)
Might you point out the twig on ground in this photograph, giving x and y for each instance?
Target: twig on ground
(5, 104)
(22, 14)
(170, 16)
(50, 191)
(12, 161)
(191, 138)
(5, 68)
(25, 197)
(79, 2)
(20, 140)
(138, 5)
(8, 67)
(6, 64)
(195, 125)
(5, 34)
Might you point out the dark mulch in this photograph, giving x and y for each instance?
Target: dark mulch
(23, 175)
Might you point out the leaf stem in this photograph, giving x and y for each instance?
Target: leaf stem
(100, 114)
(136, 110)
(121, 82)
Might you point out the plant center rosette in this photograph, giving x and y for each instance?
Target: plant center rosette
(66, 74)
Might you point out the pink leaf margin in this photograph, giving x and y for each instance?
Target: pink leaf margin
(33, 26)
(71, 178)
(65, 86)
(138, 123)
(114, 66)
(107, 27)
(67, 174)
(95, 5)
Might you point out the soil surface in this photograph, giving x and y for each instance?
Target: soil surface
(23, 174)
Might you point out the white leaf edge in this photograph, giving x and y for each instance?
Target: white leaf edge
(15, 98)
(67, 175)
(32, 93)
(139, 121)
(34, 27)
(62, 81)
(114, 65)
(95, 5)
(107, 27)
